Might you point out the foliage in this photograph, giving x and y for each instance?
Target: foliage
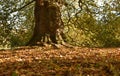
(14, 25)
(95, 25)
(87, 23)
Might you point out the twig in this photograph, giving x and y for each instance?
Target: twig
(22, 6)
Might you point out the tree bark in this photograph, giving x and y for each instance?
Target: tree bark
(48, 23)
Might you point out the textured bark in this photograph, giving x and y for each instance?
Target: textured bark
(48, 23)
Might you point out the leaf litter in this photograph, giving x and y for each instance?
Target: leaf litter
(63, 61)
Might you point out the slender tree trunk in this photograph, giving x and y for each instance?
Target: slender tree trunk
(48, 23)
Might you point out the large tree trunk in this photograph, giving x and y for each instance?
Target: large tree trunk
(48, 23)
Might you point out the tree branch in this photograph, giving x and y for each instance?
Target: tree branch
(22, 6)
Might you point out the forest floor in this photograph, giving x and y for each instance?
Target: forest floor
(63, 61)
